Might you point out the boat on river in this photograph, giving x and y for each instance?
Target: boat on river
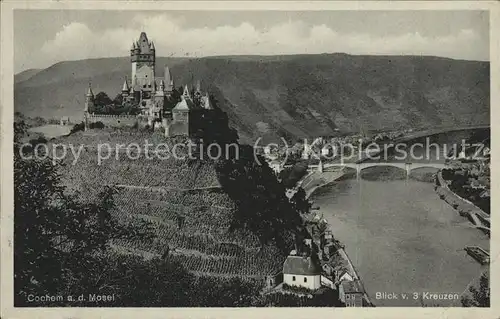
(479, 254)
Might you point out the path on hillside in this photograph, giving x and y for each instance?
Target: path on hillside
(163, 188)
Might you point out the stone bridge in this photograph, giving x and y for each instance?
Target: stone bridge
(407, 167)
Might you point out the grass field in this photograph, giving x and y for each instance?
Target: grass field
(51, 130)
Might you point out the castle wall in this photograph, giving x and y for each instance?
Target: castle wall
(115, 120)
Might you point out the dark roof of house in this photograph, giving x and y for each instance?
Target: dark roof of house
(352, 287)
(298, 265)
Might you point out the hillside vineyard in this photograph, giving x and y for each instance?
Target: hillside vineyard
(161, 192)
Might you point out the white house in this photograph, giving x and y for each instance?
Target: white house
(302, 272)
(325, 281)
(344, 276)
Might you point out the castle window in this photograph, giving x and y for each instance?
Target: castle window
(305, 279)
(293, 278)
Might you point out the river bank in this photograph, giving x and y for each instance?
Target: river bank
(464, 207)
(401, 238)
(312, 182)
(315, 180)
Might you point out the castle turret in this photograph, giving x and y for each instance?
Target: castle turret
(169, 82)
(89, 104)
(125, 88)
(161, 89)
(185, 93)
(197, 94)
(205, 102)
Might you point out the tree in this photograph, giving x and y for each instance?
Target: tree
(262, 206)
(300, 202)
(175, 97)
(55, 235)
(102, 99)
(479, 297)
(118, 100)
(291, 175)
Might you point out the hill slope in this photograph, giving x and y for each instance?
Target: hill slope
(296, 96)
(25, 75)
(182, 201)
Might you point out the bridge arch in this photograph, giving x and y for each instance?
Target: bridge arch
(407, 167)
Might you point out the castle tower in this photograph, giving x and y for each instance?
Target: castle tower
(143, 57)
(185, 93)
(205, 102)
(197, 92)
(169, 82)
(89, 103)
(161, 89)
(125, 89)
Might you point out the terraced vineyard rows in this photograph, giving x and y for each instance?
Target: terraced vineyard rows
(142, 172)
(178, 200)
(113, 137)
(247, 264)
(206, 197)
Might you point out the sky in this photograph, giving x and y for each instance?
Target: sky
(45, 37)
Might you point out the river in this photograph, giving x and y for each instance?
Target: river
(402, 239)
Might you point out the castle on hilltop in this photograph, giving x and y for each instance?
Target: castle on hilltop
(156, 98)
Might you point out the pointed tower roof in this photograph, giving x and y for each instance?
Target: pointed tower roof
(89, 91)
(185, 93)
(206, 102)
(125, 87)
(133, 46)
(198, 86)
(143, 43)
(152, 45)
(167, 75)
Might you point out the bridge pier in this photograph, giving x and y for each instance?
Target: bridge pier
(408, 170)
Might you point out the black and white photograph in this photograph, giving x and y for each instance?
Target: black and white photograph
(184, 157)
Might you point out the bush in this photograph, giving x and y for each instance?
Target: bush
(77, 127)
(297, 289)
(98, 125)
(291, 175)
